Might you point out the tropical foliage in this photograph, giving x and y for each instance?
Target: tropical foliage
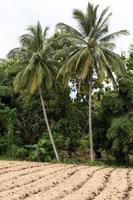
(36, 67)
(90, 54)
(62, 76)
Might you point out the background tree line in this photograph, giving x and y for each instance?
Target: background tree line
(37, 82)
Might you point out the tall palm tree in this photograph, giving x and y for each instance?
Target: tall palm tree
(35, 68)
(91, 52)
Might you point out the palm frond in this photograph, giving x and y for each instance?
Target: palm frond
(69, 64)
(81, 57)
(35, 67)
(111, 76)
(114, 35)
(18, 83)
(86, 69)
(45, 31)
(102, 15)
(69, 30)
(81, 20)
(14, 53)
(91, 15)
(108, 45)
(116, 62)
(65, 52)
(98, 32)
(105, 21)
(27, 42)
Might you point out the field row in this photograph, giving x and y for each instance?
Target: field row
(38, 181)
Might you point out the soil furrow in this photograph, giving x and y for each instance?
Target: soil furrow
(18, 167)
(36, 183)
(5, 165)
(10, 180)
(102, 186)
(130, 188)
(53, 181)
(76, 181)
(91, 187)
(27, 179)
(116, 187)
(45, 181)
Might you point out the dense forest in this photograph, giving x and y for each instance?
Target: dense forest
(69, 96)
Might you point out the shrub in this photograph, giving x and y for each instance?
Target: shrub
(83, 143)
(42, 150)
(21, 153)
(120, 135)
(12, 151)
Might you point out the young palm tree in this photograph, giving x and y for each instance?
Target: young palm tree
(36, 69)
(91, 52)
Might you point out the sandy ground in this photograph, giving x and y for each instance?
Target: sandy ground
(44, 181)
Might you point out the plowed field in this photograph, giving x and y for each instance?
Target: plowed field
(39, 181)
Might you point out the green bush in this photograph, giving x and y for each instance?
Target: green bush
(120, 135)
(21, 153)
(39, 156)
(12, 151)
(83, 143)
(3, 145)
(42, 151)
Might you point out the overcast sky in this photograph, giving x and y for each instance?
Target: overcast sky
(16, 15)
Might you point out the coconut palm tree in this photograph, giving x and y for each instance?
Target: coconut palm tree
(91, 52)
(35, 68)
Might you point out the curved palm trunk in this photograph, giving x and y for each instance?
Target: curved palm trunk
(90, 124)
(47, 124)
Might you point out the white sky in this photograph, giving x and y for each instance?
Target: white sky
(16, 15)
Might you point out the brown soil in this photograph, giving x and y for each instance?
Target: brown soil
(44, 181)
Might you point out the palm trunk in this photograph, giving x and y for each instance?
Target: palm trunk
(47, 124)
(90, 124)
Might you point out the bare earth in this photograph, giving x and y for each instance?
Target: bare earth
(39, 181)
